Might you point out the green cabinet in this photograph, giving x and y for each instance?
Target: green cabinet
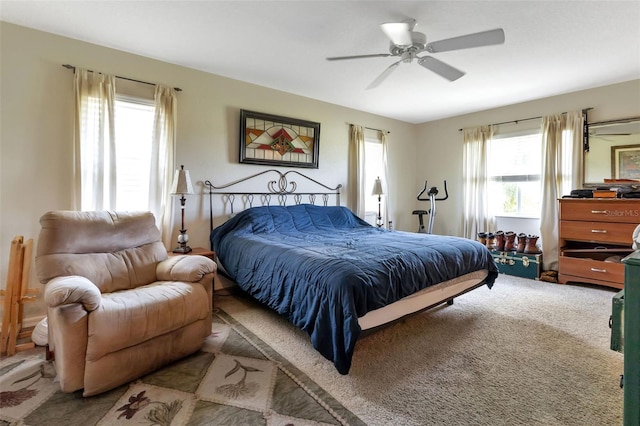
(632, 339)
(616, 322)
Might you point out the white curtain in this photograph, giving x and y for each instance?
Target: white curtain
(356, 170)
(95, 169)
(475, 184)
(562, 170)
(162, 160)
(385, 178)
(94, 141)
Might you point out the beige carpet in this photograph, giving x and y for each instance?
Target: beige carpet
(525, 352)
(235, 380)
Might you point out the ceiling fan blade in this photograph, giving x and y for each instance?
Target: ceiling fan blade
(374, 55)
(440, 68)
(484, 38)
(375, 83)
(398, 32)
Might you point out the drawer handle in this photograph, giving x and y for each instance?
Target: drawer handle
(598, 270)
(599, 231)
(598, 212)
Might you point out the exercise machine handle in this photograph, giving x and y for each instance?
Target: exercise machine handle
(433, 191)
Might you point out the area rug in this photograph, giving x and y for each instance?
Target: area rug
(525, 352)
(236, 379)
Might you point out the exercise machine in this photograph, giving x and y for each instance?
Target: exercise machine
(431, 193)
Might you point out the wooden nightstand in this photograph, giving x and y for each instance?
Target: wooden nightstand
(198, 251)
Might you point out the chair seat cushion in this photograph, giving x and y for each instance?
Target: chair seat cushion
(130, 317)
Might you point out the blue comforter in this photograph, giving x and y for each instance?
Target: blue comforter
(323, 267)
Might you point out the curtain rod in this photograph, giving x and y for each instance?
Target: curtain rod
(378, 130)
(371, 128)
(71, 67)
(584, 110)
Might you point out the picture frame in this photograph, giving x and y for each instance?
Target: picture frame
(269, 139)
(625, 161)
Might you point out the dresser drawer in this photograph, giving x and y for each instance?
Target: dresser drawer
(614, 233)
(592, 269)
(616, 210)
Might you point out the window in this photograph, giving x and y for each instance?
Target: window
(514, 167)
(373, 168)
(128, 172)
(124, 146)
(134, 135)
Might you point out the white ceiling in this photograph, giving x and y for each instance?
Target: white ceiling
(551, 47)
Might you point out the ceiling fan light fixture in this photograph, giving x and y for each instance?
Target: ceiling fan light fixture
(407, 57)
(418, 40)
(406, 44)
(398, 32)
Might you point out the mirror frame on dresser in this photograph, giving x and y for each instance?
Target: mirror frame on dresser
(590, 141)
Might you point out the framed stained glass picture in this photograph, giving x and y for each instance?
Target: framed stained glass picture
(625, 161)
(274, 140)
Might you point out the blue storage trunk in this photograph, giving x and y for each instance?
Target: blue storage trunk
(519, 264)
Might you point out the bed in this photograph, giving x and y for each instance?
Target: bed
(335, 276)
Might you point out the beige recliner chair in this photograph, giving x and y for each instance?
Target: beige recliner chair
(118, 306)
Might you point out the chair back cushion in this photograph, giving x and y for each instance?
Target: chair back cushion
(114, 250)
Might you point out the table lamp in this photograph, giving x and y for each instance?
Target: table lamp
(182, 186)
(377, 190)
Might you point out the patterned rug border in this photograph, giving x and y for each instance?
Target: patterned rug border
(335, 408)
(109, 406)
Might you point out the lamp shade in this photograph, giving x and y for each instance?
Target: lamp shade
(181, 182)
(377, 187)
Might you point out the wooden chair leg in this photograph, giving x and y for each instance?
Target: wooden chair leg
(25, 296)
(6, 320)
(11, 295)
(13, 327)
(15, 295)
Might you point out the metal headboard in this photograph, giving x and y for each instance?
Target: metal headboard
(281, 188)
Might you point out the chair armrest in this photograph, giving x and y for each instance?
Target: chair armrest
(185, 268)
(72, 289)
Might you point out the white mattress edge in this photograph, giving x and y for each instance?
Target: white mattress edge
(424, 298)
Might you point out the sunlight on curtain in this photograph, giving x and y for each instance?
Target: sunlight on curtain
(362, 174)
(94, 141)
(356, 170)
(375, 152)
(562, 171)
(385, 177)
(134, 127)
(124, 162)
(476, 217)
(162, 160)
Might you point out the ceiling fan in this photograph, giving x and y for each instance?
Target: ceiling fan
(407, 44)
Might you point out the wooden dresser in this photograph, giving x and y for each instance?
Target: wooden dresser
(593, 234)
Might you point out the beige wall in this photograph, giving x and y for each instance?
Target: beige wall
(37, 131)
(439, 143)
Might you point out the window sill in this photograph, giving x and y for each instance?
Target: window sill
(516, 216)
